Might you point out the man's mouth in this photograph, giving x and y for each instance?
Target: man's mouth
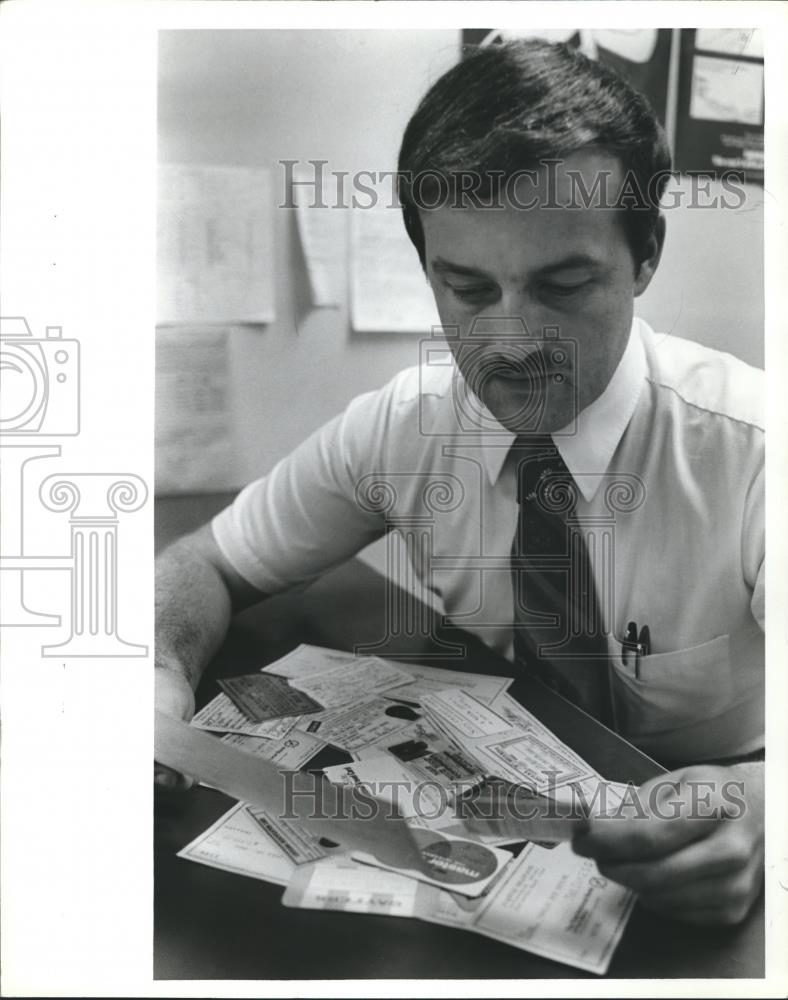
(529, 370)
(513, 374)
(525, 372)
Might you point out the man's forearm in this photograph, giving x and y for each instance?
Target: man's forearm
(193, 611)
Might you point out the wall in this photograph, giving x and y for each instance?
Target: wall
(252, 98)
(709, 286)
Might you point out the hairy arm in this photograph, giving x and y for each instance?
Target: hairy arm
(197, 593)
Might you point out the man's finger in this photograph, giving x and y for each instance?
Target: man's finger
(725, 900)
(621, 839)
(169, 780)
(727, 850)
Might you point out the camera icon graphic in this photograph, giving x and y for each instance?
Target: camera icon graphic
(39, 381)
(500, 351)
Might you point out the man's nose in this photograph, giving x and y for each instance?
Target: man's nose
(513, 318)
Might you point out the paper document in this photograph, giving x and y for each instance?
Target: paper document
(519, 717)
(355, 726)
(322, 229)
(221, 716)
(428, 680)
(296, 842)
(344, 684)
(214, 245)
(388, 290)
(289, 753)
(463, 714)
(236, 843)
(526, 758)
(552, 764)
(549, 902)
(343, 884)
(195, 446)
(306, 660)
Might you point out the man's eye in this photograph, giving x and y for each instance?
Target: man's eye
(565, 291)
(472, 293)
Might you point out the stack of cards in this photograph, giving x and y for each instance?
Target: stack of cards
(470, 770)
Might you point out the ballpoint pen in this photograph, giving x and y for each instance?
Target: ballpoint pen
(630, 642)
(639, 644)
(643, 648)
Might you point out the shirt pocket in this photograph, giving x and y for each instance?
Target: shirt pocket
(674, 689)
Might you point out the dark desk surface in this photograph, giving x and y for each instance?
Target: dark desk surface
(211, 924)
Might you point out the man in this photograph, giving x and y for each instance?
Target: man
(530, 179)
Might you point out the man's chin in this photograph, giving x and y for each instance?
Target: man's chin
(532, 416)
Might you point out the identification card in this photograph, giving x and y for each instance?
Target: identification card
(265, 696)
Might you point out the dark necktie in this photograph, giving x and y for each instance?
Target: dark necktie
(558, 634)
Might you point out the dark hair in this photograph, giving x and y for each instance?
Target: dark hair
(505, 108)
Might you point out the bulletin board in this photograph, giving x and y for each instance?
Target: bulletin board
(719, 121)
(706, 86)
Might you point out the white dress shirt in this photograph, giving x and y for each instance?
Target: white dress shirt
(669, 462)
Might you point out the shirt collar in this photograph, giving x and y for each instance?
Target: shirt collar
(598, 429)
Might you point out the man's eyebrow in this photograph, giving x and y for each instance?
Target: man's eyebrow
(576, 260)
(442, 266)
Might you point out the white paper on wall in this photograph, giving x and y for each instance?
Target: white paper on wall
(727, 90)
(322, 229)
(194, 440)
(388, 289)
(733, 41)
(215, 245)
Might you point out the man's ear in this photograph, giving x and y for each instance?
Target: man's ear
(648, 267)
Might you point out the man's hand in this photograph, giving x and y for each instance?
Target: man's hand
(175, 697)
(693, 845)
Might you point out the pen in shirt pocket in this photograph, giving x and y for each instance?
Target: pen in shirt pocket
(637, 643)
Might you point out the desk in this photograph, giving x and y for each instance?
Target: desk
(210, 924)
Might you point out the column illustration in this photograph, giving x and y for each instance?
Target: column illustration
(94, 502)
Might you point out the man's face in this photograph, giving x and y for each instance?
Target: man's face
(491, 270)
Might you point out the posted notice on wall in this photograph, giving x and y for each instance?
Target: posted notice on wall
(194, 441)
(322, 230)
(388, 289)
(214, 245)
